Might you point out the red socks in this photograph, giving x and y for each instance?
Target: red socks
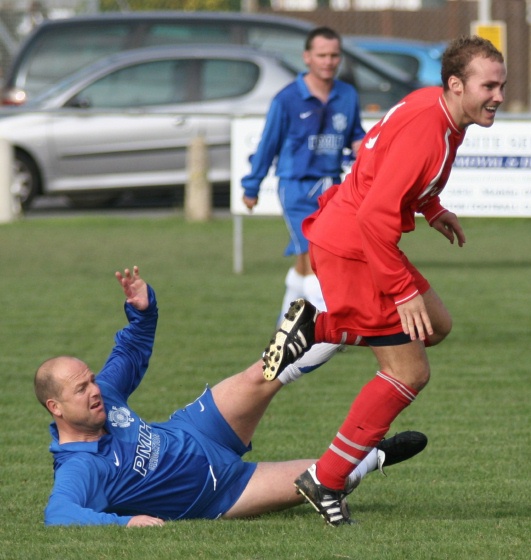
(379, 402)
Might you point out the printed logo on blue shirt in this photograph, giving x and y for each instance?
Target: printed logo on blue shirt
(325, 143)
(147, 450)
(120, 417)
(339, 122)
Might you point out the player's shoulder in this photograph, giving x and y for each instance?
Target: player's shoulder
(421, 105)
(345, 95)
(424, 99)
(344, 86)
(288, 92)
(76, 464)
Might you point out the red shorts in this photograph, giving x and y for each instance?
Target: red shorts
(355, 306)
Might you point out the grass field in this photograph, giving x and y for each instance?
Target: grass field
(467, 496)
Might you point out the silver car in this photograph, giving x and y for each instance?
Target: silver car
(127, 121)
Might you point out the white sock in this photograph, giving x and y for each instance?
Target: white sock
(367, 465)
(312, 291)
(320, 353)
(316, 356)
(294, 289)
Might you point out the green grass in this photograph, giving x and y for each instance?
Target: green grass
(466, 496)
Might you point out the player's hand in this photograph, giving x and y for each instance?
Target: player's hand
(135, 289)
(249, 202)
(415, 320)
(449, 226)
(145, 521)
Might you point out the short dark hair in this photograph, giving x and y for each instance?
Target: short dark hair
(325, 32)
(460, 52)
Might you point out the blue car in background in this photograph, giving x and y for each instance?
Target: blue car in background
(420, 59)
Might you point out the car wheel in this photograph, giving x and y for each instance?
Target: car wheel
(26, 182)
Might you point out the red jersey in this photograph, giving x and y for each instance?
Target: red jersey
(402, 166)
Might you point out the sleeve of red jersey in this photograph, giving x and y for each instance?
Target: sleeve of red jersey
(403, 164)
(433, 209)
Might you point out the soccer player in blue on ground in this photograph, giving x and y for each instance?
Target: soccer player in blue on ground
(113, 467)
(309, 125)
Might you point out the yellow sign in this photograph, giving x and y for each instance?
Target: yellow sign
(493, 31)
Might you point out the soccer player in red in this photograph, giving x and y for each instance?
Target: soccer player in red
(372, 292)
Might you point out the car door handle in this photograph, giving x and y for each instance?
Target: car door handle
(179, 121)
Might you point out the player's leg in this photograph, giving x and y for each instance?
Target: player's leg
(404, 370)
(440, 317)
(311, 289)
(318, 354)
(355, 305)
(300, 328)
(243, 398)
(271, 486)
(270, 489)
(293, 201)
(299, 199)
(294, 288)
(301, 282)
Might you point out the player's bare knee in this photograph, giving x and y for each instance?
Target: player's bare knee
(252, 376)
(418, 378)
(437, 337)
(442, 325)
(422, 381)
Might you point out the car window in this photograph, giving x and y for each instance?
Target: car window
(159, 82)
(228, 78)
(166, 82)
(285, 44)
(406, 62)
(175, 33)
(54, 56)
(376, 93)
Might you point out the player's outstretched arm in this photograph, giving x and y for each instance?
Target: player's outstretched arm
(134, 287)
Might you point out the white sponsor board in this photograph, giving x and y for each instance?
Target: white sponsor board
(491, 174)
(245, 135)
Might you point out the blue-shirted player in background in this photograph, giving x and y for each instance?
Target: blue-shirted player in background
(309, 125)
(113, 467)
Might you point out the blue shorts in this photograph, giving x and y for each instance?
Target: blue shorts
(229, 474)
(299, 200)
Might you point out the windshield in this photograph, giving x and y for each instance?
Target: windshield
(55, 90)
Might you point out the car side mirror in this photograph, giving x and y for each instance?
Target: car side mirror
(78, 103)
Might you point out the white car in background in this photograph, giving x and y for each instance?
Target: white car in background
(126, 121)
